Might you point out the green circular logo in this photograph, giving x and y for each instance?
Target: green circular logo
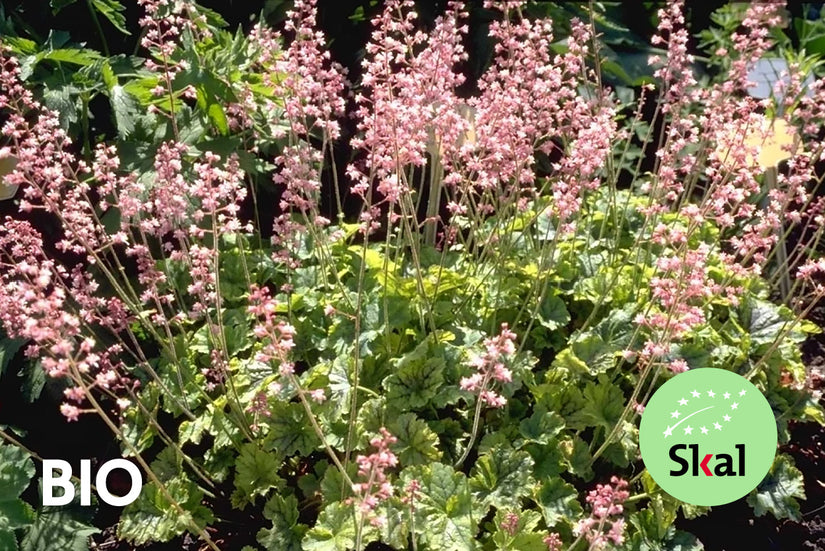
(708, 436)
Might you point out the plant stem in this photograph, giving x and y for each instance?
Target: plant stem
(104, 44)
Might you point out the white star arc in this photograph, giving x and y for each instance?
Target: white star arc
(669, 429)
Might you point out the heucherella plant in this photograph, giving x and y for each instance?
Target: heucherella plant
(442, 338)
(605, 525)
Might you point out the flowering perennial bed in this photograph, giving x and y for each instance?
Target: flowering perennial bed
(463, 363)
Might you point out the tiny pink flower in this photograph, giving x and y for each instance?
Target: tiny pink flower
(69, 411)
(678, 366)
(553, 542)
(318, 395)
(75, 394)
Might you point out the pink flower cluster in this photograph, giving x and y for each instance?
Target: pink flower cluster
(491, 367)
(188, 202)
(177, 204)
(605, 525)
(278, 341)
(409, 101)
(47, 171)
(530, 101)
(35, 306)
(40, 299)
(312, 86)
(750, 45)
(372, 469)
(510, 523)
(277, 334)
(553, 542)
(711, 139)
(688, 148)
(163, 23)
(812, 274)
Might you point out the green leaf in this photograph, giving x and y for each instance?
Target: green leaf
(125, 108)
(57, 528)
(289, 430)
(778, 491)
(8, 348)
(656, 522)
(109, 78)
(8, 541)
(333, 483)
(16, 472)
(334, 531)
(567, 359)
(416, 378)
(34, 379)
(764, 321)
(592, 349)
(74, 56)
(152, 517)
(218, 118)
(168, 464)
(113, 11)
(417, 444)
(553, 313)
(547, 458)
(63, 100)
(135, 425)
(256, 472)
(216, 423)
(623, 449)
(286, 533)
(501, 477)
(603, 405)
(682, 541)
(14, 514)
(617, 329)
(541, 427)
(445, 510)
(192, 431)
(557, 500)
(655, 533)
(576, 454)
(371, 417)
(693, 511)
(340, 387)
(396, 530)
(524, 536)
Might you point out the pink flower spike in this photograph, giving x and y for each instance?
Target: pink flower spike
(490, 368)
(372, 468)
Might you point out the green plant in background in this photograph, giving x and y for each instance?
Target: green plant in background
(41, 529)
(460, 365)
